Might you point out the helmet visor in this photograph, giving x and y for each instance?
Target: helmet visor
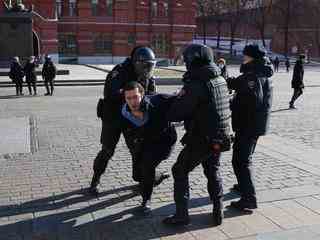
(145, 68)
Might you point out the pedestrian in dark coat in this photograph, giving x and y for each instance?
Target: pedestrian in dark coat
(16, 74)
(287, 64)
(49, 72)
(297, 80)
(251, 107)
(31, 77)
(276, 64)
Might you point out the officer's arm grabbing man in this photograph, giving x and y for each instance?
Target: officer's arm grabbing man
(139, 67)
(204, 108)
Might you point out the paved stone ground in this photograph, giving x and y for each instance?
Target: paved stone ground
(43, 193)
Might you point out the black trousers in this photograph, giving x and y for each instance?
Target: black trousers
(109, 139)
(189, 158)
(47, 82)
(34, 86)
(243, 149)
(296, 94)
(18, 84)
(110, 136)
(150, 157)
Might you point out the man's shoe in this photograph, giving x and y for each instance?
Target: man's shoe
(160, 178)
(176, 221)
(47, 94)
(235, 188)
(244, 205)
(291, 106)
(93, 191)
(146, 207)
(217, 216)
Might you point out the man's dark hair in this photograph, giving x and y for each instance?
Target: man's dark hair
(133, 85)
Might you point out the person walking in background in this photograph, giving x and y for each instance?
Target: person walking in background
(276, 64)
(31, 77)
(49, 72)
(297, 80)
(223, 68)
(16, 74)
(287, 65)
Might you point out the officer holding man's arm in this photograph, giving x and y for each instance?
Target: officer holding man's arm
(203, 105)
(139, 67)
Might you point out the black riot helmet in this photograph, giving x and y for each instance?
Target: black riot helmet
(197, 55)
(144, 61)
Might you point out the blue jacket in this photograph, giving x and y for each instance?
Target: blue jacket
(156, 128)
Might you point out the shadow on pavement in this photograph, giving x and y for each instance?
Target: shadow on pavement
(10, 97)
(65, 200)
(54, 219)
(281, 110)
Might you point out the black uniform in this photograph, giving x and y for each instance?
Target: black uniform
(152, 142)
(16, 74)
(31, 77)
(204, 108)
(109, 110)
(49, 72)
(297, 82)
(251, 108)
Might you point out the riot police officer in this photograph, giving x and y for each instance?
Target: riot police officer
(49, 72)
(203, 105)
(250, 108)
(148, 133)
(139, 67)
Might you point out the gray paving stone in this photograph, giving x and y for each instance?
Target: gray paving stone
(45, 182)
(15, 135)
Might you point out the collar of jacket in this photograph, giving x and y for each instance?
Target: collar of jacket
(260, 67)
(144, 107)
(203, 73)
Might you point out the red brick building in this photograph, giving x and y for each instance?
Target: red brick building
(303, 28)
(94, 31)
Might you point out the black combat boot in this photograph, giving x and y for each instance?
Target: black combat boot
(48, 91)
(146, 206)
(159, 178)
(244, 204)
(181, 218)
(93, 190)
(235, 188)
(217, 213)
